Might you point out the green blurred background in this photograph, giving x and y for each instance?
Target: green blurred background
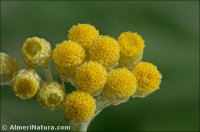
(171, 33)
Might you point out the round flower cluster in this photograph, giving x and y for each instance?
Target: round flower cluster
(79, 106)
(121, 84)
(99, 66)
(103, 66)
(91, 77)
(67, 56)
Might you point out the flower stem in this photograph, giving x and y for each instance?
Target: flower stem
(79, 127)
(47, 73)
(101, 104)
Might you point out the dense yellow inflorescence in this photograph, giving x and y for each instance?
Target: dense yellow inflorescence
(25, 83)
(91, 77)
(148, 77)
(131, 44)
(50, 95)
(121, 84)
(105, 50)
(67, 56)
(96, 65)
(131, 49)
(79, 106)
(36, 52)
(83, 34)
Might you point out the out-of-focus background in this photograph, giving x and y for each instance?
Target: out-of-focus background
(171, 33)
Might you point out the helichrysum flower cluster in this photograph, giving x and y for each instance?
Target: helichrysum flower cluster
(104, 71)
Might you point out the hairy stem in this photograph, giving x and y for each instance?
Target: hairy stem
(79, 127)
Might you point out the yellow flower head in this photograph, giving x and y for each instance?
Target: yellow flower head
(8, 67)
(105, 50)
(67, 56)
(131, 44)
(148, 77)
(79, 106)
(36, 52)
(50, 95)
(91, 77)
(121, 84)
(83, 34)
(25, 83)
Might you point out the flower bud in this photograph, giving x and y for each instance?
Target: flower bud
(36, 52)
(91, 77)
(121, 84)
(105, 50)
(50, 95)
(8, 67)
(148, 77)
(131, 49)
(83, 34)
(67, 57)
(26, 83)
(79, 106)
